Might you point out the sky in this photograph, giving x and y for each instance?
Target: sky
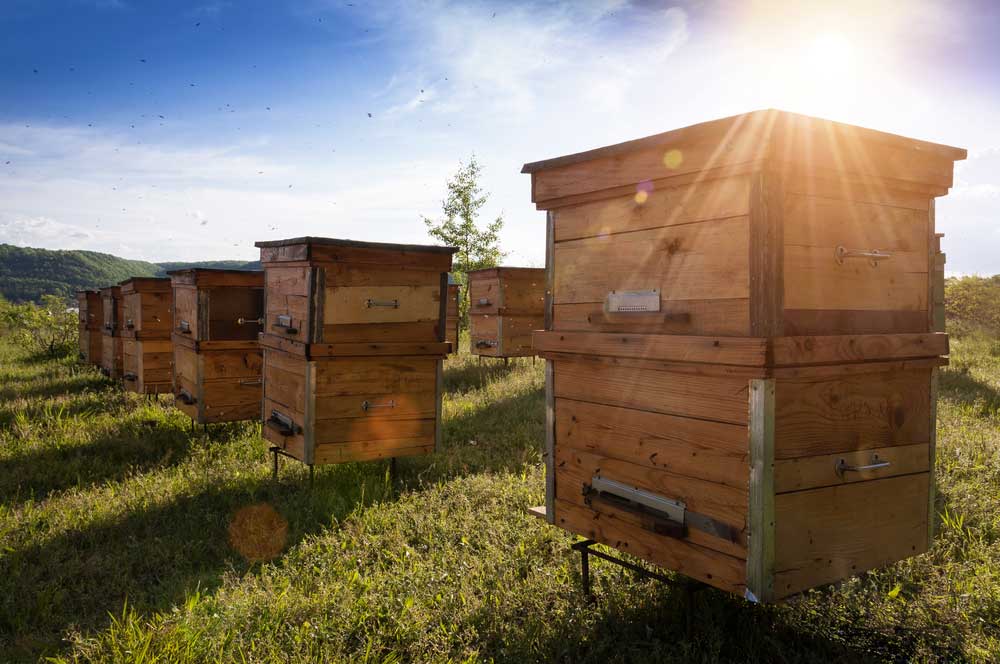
(188, 130)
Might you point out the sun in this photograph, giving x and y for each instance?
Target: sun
(830, 54)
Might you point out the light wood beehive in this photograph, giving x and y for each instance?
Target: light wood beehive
(111, 332)
(506, 304)
(147, 352)
(217, 358)
(353, 343)
(91, 322)
(740, 315)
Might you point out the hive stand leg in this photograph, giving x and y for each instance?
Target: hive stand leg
(312, 475)
(192, 425)
(204, 427)
(274, 463)
(392, 471)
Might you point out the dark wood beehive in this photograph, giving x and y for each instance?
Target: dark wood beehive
(111, 332)
(353, 342)
(506, 304)
(452, 319)
(147, 352)
(217, 358)
(91, 323)
(741, 358)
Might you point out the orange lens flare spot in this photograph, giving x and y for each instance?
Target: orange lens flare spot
(673, 159)
(258, 532)
(641, 197)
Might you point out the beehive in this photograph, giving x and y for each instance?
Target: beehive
(147, 352)
(506, 304)
(452, 316)
(353, 342)
(111, 337)
(91, 318)
(217, 359)
(741, 365)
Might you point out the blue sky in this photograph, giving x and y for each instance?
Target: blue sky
(189, 130)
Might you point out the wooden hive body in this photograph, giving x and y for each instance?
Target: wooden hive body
(506, 304)
(111, 332)
(353, 342)
(217, 357)
(452, 316)
(147, 352)
(739, 314)
(91, 324)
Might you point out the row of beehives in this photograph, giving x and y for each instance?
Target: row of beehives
(741, 333)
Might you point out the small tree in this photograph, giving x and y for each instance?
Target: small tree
(49, 328)
(478, 248)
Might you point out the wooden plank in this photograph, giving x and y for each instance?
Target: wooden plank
(231, 392)
(825, 535)
(853, 412)
(802, 322)
(705, 260)
(869, 190)
(740, 141)
(422, 332)
(821, 371)
(551, 435)
(720, 399)
(232, 364)
(598, 364)
(761, 554)
(814, 280)
(712, 451)
(231, 413)
(550, 271)
(345, 430)
(658, 207)
(856, 348)
(346, 305)
(485, 293)
(716, 569)
(375, 375)
(388, 255)
(403, 405)
(693, 317)
(294, 444)
(766, 257)
(363, 275)
(932, 459)
(826, 222)
(819, 471)
(747, 351)
(726, 504)
(539, 512)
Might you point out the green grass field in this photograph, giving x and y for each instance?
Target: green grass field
(125, 537)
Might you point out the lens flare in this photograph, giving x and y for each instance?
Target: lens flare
(672, 159)
(258, 532)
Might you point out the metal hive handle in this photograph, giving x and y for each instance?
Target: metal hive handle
(842, 466)
(368, 405)
(873, 255)
(484, 302)
(390, 304)
(249, 321)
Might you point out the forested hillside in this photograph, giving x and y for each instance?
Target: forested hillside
(27, 274)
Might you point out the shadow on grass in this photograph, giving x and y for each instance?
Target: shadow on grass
(633, 620)
(130, 446)
(153, 558)
(963, 387)
(65, 384)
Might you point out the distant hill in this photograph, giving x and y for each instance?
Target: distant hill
(27, 274)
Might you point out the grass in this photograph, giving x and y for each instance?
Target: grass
(124, 537)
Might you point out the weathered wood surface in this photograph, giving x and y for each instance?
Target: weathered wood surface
(147, 365)
(853, 412)
(824, 535)
(818, 471)
(856, 348)
(747, 351)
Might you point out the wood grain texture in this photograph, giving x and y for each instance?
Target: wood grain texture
(747, 351)
(712, 567)
(766, 253)
(819, 471)
(856, 348)
(761, 549)
(729, 318)
(348, 305)
(715, 398)
(659, 207)
(853, 412)
(825, 535)
(704, 260)
(802, 322)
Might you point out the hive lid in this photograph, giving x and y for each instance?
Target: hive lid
(504, 269)
(209, 270)
(429, 248)
(145, 283)
(773, 120)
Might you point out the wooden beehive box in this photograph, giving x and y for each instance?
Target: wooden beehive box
(217, 359)
(506, 304)
(353, 342)
(452, 315)
(111, 332)
(741, 358)
(91, 323)
(147, 352)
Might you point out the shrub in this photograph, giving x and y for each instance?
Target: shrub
(49, 328)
